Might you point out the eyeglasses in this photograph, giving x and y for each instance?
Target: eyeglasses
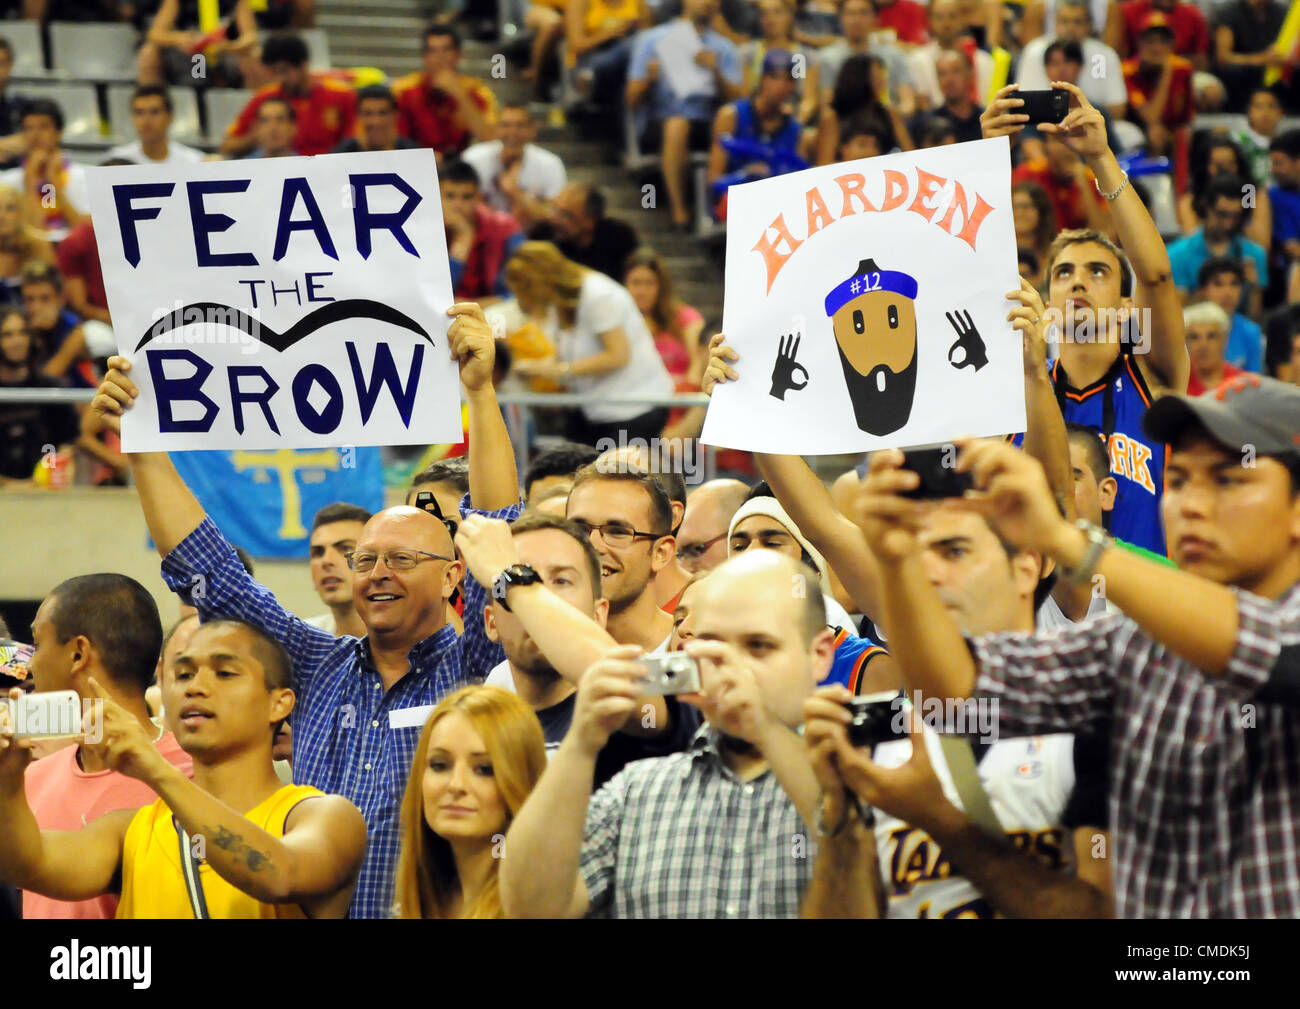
(615, 534)
(694, 551)
(394, 560)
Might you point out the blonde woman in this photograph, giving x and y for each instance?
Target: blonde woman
(18, 245)
(480, 754)
(604, 349)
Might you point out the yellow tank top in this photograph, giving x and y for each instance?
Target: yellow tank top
(153, 885)
(603, 12)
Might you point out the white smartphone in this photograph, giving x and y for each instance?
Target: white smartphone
(52, 715)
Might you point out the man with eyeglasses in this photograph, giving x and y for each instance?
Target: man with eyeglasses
(628, 516)
(702, 538)
(362, 702)
(1225, 213)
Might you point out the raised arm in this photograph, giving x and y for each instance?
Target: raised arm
(1155, 596)
(846, 879)
(1160, 312)
(808, 502)
(493, 476)
(202, 569)
(63, 865)
(317, 857)
(541, 875)
(171, 511)
(570, 640)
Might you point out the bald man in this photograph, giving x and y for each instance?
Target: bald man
(361, 702)
(702, 538)
(709, 832)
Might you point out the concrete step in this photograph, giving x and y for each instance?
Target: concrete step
(361, 26)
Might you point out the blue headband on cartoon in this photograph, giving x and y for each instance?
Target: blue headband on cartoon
(868, 282)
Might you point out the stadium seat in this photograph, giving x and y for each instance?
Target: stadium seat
(80, 108)
(29, 54)
(1219, 120)
(318, 46)
(223, 105)
(186, 127)
(1164, 209)
(93, 51)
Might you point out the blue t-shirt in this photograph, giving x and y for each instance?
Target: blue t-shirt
(1245, 347)
(1188, 253)
(1286, 213)
(1115, 406)
(662, 102)
(852, 654)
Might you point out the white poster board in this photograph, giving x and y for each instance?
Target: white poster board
(867, 303)
(281, 302)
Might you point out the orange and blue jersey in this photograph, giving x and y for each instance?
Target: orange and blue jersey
(852, 655)
(1115, 406)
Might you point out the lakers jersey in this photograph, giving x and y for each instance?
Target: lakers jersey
(153, 883)
(1115, 406)
(1029, 782)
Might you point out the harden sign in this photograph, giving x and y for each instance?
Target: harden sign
(280, 303)
(867, 303)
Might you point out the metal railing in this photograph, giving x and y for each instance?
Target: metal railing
(526, 401)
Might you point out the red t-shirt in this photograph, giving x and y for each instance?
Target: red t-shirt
(1143, 81)
(908, 20)
(427, 115)
(1067, 197)
(64, 797)
(79, 257)
(1195, 388)
(327, 114)
(1191, 32)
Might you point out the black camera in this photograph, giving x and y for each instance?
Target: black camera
(937, 470)
(426, 502)
(877, 718)
(1051, 105)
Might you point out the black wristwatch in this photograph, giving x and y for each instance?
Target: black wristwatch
(516, 574)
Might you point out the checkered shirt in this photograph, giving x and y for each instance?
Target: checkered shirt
(1204, 772)
(683, 837)
(342, 740)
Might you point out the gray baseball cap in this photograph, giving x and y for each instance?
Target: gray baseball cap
(1245, 410)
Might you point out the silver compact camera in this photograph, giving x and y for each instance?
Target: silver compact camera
(674, 673)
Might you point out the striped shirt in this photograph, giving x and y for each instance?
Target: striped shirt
(684, 837)
(350, 736)
(1205, 771)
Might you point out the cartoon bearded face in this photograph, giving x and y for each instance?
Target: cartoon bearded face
(876, 335)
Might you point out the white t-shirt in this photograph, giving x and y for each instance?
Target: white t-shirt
(604, 305)
(325, 622)
(1105, 87)
(1051, 619)
(541, 175)
(75, 188)
(1028, 780)
(177, 154)
(838, 616)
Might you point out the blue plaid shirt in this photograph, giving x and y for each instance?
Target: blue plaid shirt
(350, 737)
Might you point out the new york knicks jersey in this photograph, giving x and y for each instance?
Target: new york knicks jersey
(1115, 406)
(1029, 782)
(852, 655)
